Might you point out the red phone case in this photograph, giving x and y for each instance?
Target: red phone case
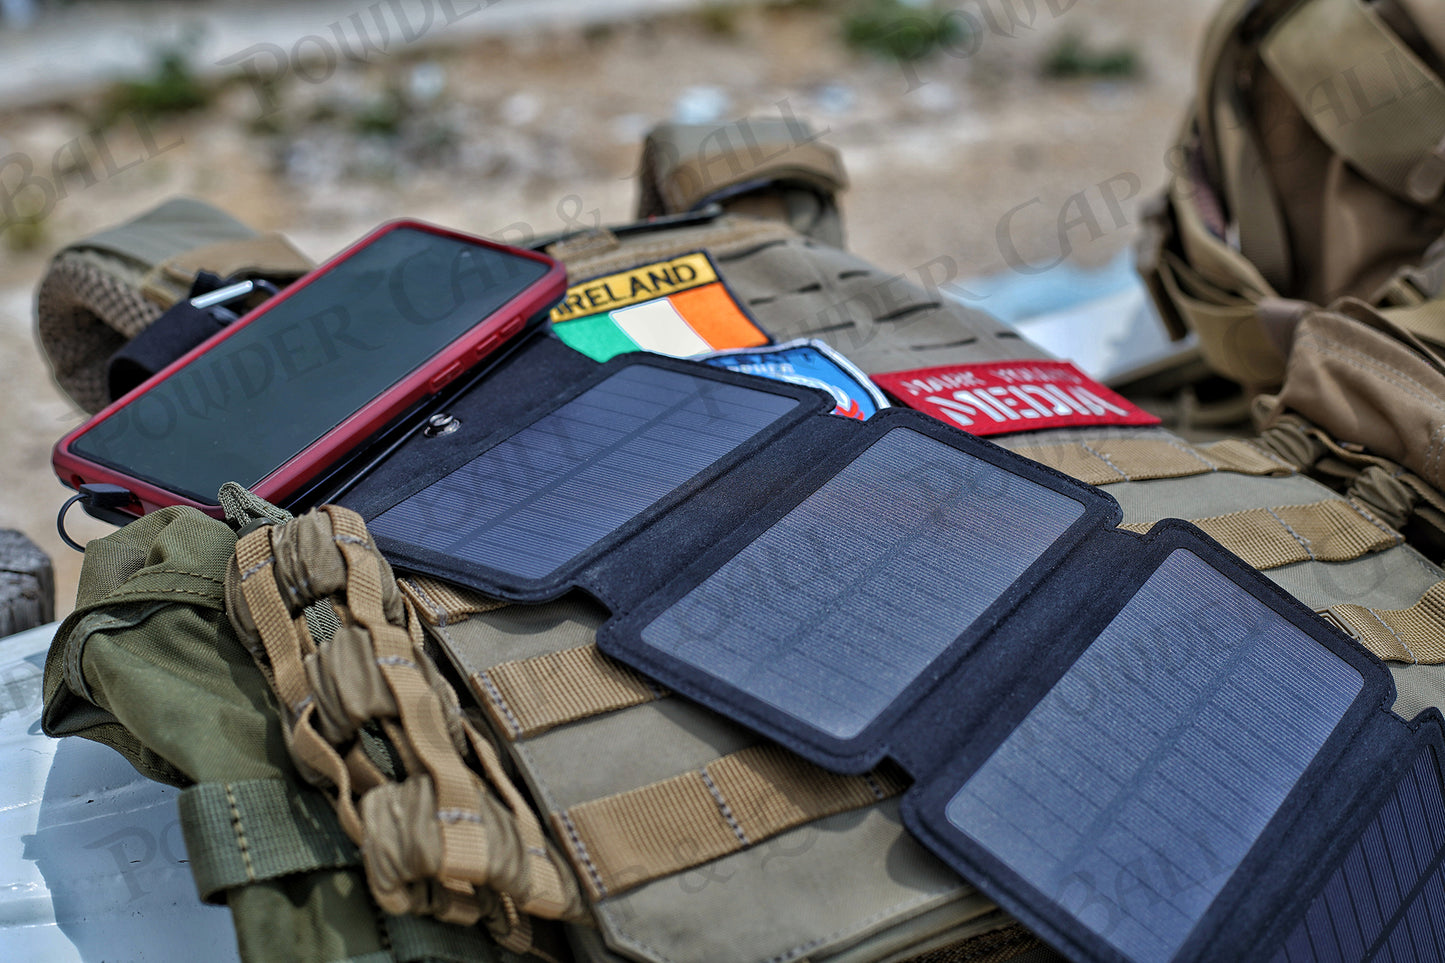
(432, 376)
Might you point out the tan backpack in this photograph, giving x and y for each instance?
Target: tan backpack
(1300, 238)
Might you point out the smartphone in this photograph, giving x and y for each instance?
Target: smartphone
(291, 390)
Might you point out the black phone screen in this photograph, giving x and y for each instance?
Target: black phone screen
(294, 372)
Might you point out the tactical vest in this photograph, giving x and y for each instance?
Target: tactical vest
(687, 837)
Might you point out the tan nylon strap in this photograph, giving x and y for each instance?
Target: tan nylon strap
(529, 696)
(1110, 460)
(426, 726)
(1425, 320)
(440, 603)
(286, 641)
(1252, 202)
(1333, 530)
(285, 644)
(1365, 92)
(464, 848)
(739, 800)
(1415, 634)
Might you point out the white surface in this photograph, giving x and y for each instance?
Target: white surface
(1112, 338)
(92, 865)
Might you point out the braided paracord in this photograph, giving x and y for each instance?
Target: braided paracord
(451, 836)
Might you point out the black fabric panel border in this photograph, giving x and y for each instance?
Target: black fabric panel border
(539, 370)
(1319, 817)
(621, 636)
(811, 405)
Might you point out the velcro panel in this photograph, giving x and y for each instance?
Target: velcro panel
(1333, 530)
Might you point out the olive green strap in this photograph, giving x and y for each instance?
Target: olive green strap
(1366, 94)
(238, 833)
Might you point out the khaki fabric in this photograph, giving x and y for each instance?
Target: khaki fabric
(1365, 387)
(777, 168)
(1308, 170)
(1302, 237)
(817, 886)
(102, 291)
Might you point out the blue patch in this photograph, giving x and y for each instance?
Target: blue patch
(809, 362)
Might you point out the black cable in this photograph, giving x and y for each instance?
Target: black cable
(96, 496)
(60, 522)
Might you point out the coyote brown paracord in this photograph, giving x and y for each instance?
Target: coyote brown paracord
(451, 836)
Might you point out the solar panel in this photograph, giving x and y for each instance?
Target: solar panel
(839, 605)
(546, 494)
(1386, 902)
(1137, 784)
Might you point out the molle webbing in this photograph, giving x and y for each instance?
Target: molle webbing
(1333, 530)
(451, 836)
(1108, 460)
(734, 802)
(529, 696)
(439, 603)
(238, 833)
(634, 837)
(1415, 634)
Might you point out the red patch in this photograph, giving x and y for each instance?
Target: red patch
(1000, 397)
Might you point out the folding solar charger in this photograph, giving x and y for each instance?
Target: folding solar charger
(1136, 744)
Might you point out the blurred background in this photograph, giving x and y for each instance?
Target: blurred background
(1017, 138)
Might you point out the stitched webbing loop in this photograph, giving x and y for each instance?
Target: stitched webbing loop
(1415, 634)
(623, 841)
(1333, 530)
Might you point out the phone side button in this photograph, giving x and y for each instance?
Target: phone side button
(488, 344)
(448, 373)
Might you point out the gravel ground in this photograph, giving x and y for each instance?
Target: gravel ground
(971, 156)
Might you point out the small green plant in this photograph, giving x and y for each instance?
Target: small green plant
(383, 116)
(1072, 58)
(901, 31)
(171, 87)
(26, 234)
(719, 19)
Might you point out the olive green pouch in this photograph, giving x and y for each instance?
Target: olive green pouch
(149, 665)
